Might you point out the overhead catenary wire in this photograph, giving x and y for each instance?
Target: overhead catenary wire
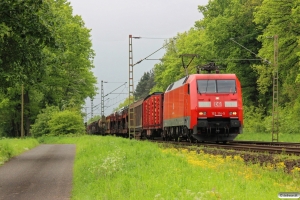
(263, 59)
(151, 38)
(112, 99)
(115, 89)
(138, 62)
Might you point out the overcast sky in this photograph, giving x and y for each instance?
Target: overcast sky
(112, 21)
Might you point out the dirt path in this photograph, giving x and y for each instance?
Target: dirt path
(44, 172)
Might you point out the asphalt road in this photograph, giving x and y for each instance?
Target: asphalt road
(42, 173)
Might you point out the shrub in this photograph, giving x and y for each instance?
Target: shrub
(66, 122)
(41, 126)
(254, 119)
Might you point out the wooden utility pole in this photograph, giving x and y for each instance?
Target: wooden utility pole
(22, 112)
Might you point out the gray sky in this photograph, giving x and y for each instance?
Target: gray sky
(112, 21)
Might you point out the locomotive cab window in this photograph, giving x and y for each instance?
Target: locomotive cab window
(226, 86)
(216, 86)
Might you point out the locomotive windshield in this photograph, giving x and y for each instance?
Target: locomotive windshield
(216, 86)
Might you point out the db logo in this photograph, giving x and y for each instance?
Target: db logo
(218, 104)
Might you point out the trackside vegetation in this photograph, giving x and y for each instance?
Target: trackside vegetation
(116, 168)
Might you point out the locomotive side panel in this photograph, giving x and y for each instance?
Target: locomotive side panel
(174, 104)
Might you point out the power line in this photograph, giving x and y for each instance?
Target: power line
(114, 97)
(263, 59)
(153, 53)
(151, 38)
(115, 89)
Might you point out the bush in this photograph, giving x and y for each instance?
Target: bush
(289, 118)
(41, 126)
(254, 119)
(66, 122)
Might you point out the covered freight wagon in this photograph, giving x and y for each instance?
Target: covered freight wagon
(153, 115)
(136, 119)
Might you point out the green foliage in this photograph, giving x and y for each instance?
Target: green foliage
(289, 118)
(66, 122)
(124, 104)
(254, 119)
(172, 65)
(41, 125)
(281, 18)
(144, 85)
(227, 20)
(95, 118)
(44, 47)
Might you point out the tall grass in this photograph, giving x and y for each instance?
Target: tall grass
(116, 168)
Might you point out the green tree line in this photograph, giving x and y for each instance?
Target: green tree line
(48, 50)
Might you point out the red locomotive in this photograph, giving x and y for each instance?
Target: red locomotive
(201, 107)
(205, 107)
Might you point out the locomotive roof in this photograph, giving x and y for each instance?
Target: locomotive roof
(214, 76)
(185, 79)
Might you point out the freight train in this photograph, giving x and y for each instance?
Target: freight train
(198, 107)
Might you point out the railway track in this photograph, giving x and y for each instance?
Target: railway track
(248, 146)
(291, 144)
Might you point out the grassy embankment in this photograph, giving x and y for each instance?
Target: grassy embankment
(116, 168)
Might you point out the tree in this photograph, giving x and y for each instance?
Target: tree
(228, 19)
(281, 18)
(144, 85)
(48, 50)
(23, 36)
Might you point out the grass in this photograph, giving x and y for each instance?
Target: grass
(13, 147)
(116, 168)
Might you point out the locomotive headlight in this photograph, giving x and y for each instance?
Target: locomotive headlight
(202, 113)
(233, 113)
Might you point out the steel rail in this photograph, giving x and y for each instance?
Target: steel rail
(241, 147)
